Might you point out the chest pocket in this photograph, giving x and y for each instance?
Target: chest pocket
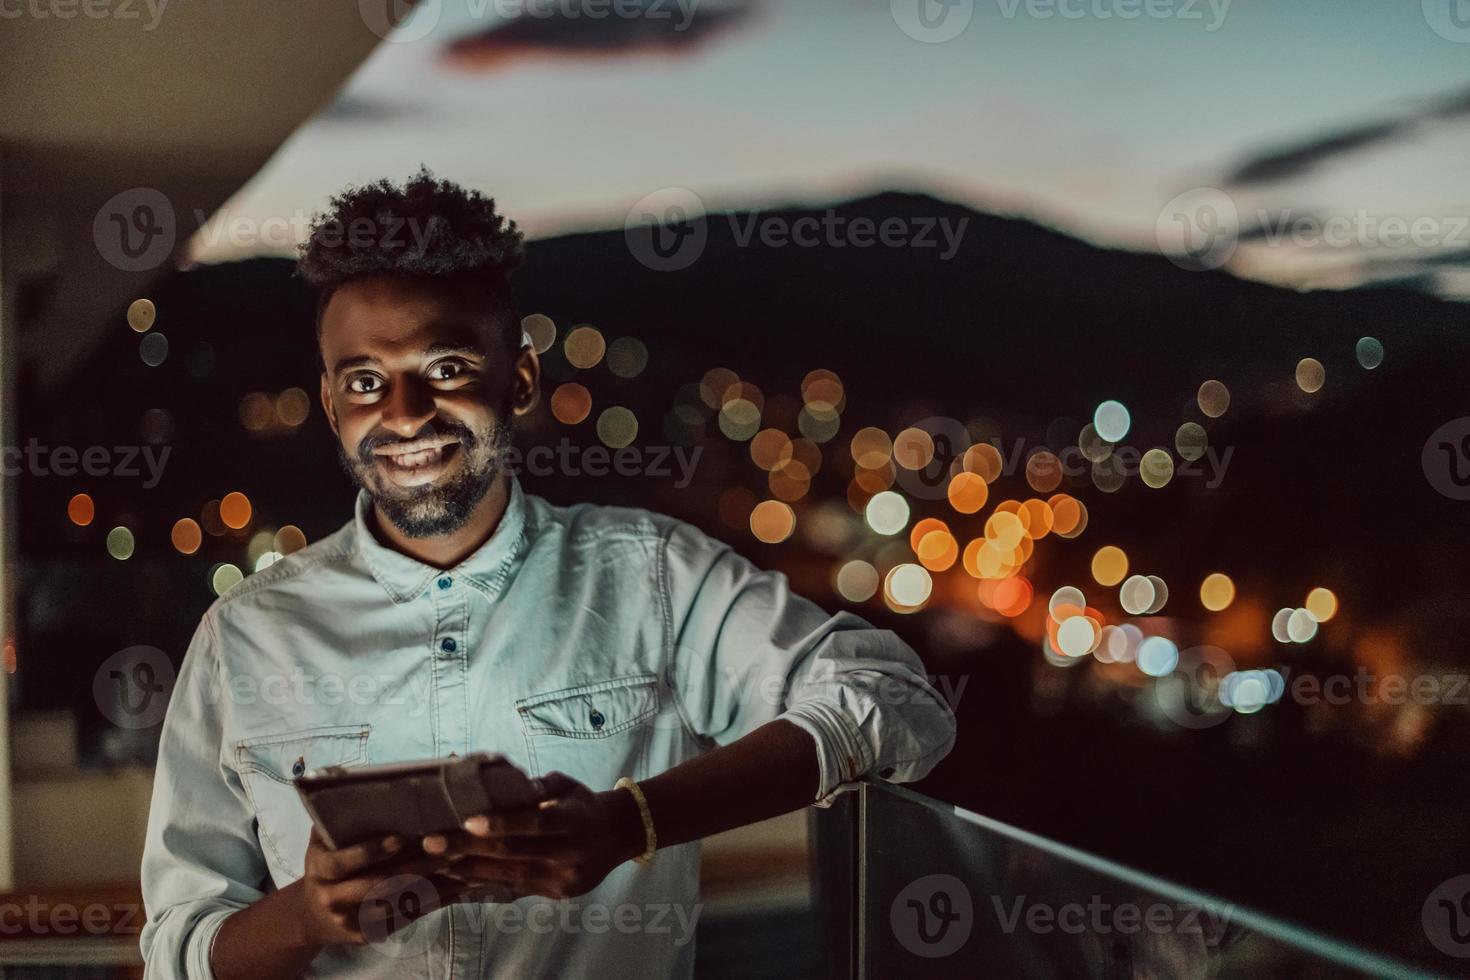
(593, 732)
(268, 764)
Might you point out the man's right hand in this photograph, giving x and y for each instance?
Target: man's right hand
(368, 891)
(355, 895)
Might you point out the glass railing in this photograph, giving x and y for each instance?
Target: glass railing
(911, 887)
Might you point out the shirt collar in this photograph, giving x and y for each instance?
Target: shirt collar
(405, 578)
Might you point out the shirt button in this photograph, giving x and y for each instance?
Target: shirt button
(596, 718)
(448, 645)
(445, 582)
(299, 766)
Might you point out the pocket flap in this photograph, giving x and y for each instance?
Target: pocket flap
(286, 756)
(594, 710)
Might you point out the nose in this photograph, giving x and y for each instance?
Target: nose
(408, 407)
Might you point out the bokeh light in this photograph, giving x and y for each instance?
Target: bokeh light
(627, 357)
(1137, 595)
(234, 510)
(908, 586)
(772, 521)
(617, 427)
(142, 314)
(224, 577)
(1157, 656)
(541, 329)
(887, 512)
(1301, 626)
(154, 349)
(1156, 468)
(1310, 375)
(289, 539)
(256, 411)
(1111, 420)
(870, 447)
(186, 535)
(80, 510)
(571, 403)
(857, 581)
(1217, 591)
(1370, 352)
(1322, 604)
(1109, 565)
(1213, 398)
(1191, 441)
(120, 543)
(292, 407)
(770, 449)
(584, 346)
(967, 492)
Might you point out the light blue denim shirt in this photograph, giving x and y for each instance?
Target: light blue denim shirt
(599, 641)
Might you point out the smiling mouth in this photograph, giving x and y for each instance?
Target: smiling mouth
(417, 462)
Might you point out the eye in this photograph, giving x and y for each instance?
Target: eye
(364, 384)
(447, 369)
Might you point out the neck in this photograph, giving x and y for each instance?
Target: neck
(448, 550)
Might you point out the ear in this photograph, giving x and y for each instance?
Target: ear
(327, 406)
(526, 378)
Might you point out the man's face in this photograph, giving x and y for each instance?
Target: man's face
(420, 393)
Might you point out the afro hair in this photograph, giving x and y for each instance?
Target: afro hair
(430, 229)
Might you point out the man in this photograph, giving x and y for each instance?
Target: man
(663, 687)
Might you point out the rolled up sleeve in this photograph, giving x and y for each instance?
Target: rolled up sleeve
(201, 859)
(746, 650)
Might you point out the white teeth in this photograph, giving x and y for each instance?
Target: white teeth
(415, 460)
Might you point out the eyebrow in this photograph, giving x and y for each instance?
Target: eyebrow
(433, 350)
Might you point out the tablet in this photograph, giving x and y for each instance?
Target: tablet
(413, 799)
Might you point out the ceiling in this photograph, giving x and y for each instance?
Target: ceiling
(188, 100)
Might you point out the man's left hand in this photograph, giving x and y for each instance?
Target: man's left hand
(562, 848)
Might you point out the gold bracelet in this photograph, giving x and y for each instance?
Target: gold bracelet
(649, 836)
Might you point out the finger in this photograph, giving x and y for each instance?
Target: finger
(555, 819)
(507, 871)
(558, 784)
(343, 863)
(559, 849)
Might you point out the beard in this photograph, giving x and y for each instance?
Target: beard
(444, 505)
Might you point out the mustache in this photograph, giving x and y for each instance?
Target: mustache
(367, 450)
